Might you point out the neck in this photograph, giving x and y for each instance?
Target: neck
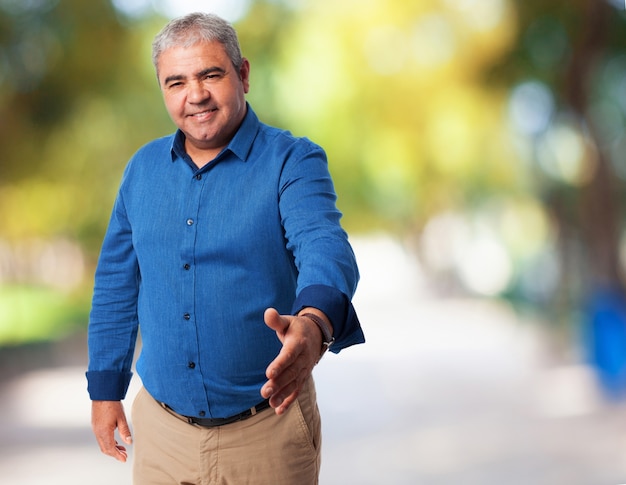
(200, 156)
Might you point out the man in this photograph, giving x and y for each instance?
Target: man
(224, 247)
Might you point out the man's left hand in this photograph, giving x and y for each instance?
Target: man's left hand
(302, 343)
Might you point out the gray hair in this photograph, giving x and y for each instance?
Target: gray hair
(197, 27)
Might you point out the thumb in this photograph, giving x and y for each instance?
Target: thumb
(275, 321)
(124, 431)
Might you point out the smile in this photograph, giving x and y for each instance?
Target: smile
(203, 114)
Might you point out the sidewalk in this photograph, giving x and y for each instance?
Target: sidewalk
(444, 392)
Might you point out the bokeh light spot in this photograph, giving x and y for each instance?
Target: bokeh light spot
(530, 107)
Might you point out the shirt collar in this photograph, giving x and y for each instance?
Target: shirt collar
(240, 145)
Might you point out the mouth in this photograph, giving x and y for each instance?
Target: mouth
(203, 114)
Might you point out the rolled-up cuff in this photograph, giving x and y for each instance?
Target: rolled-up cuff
(107, 385)
(339, 310)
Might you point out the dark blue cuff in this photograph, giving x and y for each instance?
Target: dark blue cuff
(339, 310)
(108, 385)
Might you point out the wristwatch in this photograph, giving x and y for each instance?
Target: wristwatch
(327, 338)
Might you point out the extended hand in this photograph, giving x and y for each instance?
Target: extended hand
(105, 417)
(302, 342)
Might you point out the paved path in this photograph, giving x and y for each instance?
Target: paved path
(444, 392)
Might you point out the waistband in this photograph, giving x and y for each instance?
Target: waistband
(213, 422)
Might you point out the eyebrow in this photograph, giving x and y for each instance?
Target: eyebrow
(199, 74)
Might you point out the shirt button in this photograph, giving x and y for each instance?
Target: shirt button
(191, 365)
(202, 413)
(186, 316)
(190, 222)
(199, 176)
(187, 266)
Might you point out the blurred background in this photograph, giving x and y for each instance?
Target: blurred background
(478, 149)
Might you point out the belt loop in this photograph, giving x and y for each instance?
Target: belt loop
(252, 410)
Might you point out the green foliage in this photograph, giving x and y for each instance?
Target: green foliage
(30, 314)
(77, 101)
(393, 91)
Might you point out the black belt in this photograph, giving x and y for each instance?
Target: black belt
(213, 422)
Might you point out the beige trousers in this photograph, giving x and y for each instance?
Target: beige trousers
(264, 449)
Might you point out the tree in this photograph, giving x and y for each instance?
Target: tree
(577, 50)
(78, 97)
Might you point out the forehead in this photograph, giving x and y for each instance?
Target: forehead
(184, 60)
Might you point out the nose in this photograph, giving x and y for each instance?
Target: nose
(197, 93)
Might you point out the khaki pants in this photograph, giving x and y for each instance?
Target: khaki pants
(264, 449)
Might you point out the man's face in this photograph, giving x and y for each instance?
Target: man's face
(204, 95)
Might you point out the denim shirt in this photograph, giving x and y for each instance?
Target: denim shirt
(193, 257)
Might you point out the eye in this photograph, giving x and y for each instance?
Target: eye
(213, 76)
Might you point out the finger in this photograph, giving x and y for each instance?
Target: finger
(280, 378)
(282, 400)
(119, 453)
(124, 432)
(122, 454)
(287, 357)
(285, 395)
(275, 321)
(285, 405)
(110, 447)
(289, 352)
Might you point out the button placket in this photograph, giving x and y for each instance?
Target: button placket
(191, 214)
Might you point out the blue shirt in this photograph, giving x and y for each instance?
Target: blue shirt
(193, 257)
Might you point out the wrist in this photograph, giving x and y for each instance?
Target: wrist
(325, 329)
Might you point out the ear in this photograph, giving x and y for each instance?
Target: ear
(244, 75)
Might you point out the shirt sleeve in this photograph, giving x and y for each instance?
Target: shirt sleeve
(327, 269)
(339, 310)
(113, 322)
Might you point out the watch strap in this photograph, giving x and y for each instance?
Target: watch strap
(327, 337)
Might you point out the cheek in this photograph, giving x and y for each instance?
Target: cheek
(174, 104)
